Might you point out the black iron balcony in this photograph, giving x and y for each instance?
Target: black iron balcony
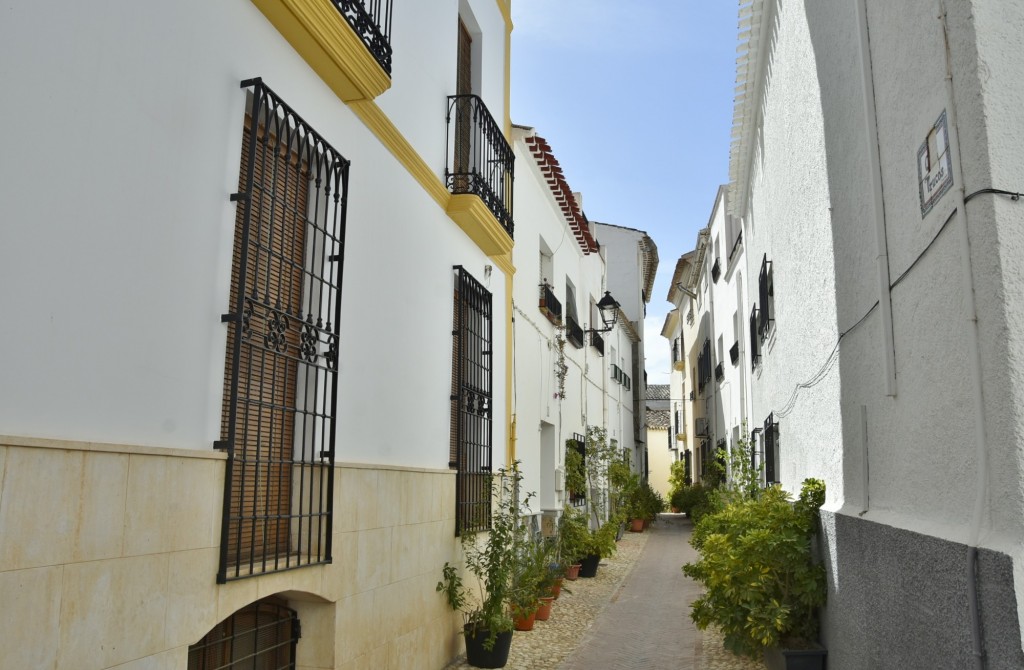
(573, 332)
(371, 20)
(479, 159)
(734, 352)
(716, 269)
(719, 372)
(549, 305)
(597, 342)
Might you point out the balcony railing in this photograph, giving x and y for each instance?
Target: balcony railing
(479, 160)
(597, 342)
(573, 332)
(549, 305)
(719, 372)
(734, 352)
(371, 20)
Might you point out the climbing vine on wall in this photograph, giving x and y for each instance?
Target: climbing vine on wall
(561, 368)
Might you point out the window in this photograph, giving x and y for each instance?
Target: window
(765, 298)
(755, 341)
(704, 366)
(579, 444)
(771, 450)
(261, 636)
(280, 382)
(573, 330)
(471, 403)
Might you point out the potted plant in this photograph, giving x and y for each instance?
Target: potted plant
(762, 585)
(600, 544)
(530, 581)
(573, 539)
(492, 558)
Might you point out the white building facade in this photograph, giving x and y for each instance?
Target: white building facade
(632, 263)
(871, 172)
(247, 186)
(571, 371)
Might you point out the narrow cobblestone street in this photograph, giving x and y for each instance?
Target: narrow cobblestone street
(633, 615)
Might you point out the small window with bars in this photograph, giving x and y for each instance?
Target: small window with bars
(771, 450)
(280, 376)
(262, 636)
(472, 421)
(765, 298)
(579, 444)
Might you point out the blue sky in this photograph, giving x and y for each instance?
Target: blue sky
(635, 99)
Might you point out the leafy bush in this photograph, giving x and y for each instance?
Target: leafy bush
(761, 583)
(689, 499)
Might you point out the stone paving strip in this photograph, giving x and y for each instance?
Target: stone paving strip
(551, 642)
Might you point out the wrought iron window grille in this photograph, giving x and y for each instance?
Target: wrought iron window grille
(550, 306)
(573, 332)
(716, 269)
(479, 159)
(766, 300)
(281, 381)
(472, 403)
(597, 342)
(734, 353)
(704, 366)
(719, 372)
(579, 443)
(262, 635)
(755, 340)
(771, 450)
(371, 20)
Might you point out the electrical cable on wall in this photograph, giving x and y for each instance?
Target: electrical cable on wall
(790, 404)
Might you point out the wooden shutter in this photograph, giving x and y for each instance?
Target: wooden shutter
(261, 636)
(463, 109)
(267, 376)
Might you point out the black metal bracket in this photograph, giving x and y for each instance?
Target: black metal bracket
(239, 197)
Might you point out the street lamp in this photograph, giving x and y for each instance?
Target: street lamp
(609, 313)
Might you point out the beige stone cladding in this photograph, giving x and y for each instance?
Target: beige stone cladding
(109, 554)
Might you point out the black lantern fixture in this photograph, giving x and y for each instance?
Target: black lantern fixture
(609, 307)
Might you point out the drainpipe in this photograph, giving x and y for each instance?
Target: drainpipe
(877, 204)
(974, 357)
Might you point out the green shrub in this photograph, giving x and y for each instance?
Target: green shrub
(761, 583)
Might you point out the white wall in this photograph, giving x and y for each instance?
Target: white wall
(127, 246)
(787, 218)
(539, 217)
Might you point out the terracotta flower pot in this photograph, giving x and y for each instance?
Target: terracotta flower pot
(557, 588)
(636, 526)
(525, 623)
(572, 572)
(545, 608)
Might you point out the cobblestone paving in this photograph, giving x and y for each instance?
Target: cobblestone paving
(551, 641)
(717, 658)
(626, 618)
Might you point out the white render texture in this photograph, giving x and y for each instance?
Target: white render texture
(592, 398)
(788, 220)
(127, 247)
(902, 474)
